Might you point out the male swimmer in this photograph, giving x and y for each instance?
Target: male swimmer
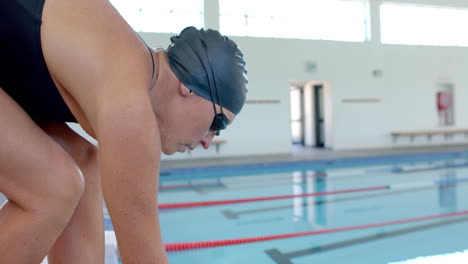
(79, 61)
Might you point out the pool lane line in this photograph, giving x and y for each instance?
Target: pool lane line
(267, 198)
(285, 166)
(189, 186)
(283, 178)
(285, 257)
(232, 215)
(170, 247)
(396, 186)
(394, 170)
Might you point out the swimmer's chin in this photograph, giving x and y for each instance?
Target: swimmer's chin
(170, 152)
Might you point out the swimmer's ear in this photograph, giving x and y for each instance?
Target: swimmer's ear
(184, 91)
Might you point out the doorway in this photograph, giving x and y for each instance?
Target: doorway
(308, 114)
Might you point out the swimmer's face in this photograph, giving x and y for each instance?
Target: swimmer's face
(208, 135)
(190, 122)
(184, 118)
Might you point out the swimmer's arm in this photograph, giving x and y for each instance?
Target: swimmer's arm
(129, 155)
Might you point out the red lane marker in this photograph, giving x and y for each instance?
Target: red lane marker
(217, 243)
(268, 198)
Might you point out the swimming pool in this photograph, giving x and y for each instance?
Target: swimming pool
(373, 210)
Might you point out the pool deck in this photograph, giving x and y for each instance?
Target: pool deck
(306, 154)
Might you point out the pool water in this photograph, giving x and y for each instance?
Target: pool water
(399, 191)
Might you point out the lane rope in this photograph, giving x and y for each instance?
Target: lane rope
(398, 186)
(187, 186)
(171, 247)
(318, 175)
(249, 181)
(268, 198)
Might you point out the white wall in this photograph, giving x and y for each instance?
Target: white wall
(406, 89)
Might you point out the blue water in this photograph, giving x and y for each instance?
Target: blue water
(405, 198)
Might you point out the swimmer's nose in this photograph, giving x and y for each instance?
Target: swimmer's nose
(206, 140)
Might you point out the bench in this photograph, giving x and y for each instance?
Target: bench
(216, 143)
(428, 133)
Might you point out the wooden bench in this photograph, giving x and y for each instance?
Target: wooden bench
(428, 133)
(216, 143)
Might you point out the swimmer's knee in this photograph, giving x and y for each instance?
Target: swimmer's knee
(72, 187)
(64, 189)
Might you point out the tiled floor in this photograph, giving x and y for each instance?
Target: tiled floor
(300, 153)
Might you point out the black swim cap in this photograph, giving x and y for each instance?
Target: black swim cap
(207, 62)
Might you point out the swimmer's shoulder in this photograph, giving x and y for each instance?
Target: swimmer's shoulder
(93, 55)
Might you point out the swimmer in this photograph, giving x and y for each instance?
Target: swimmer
(79, 61)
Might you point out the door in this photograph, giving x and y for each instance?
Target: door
(319, 120)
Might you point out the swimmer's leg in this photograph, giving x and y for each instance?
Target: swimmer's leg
(83, 239)
(42, 182)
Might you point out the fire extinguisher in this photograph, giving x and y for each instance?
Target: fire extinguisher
(444, 101)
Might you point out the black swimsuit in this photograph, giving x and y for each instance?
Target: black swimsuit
(23, 71)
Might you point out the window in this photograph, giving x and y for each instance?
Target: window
(161, 16)
(423, 25)
(345, 20)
